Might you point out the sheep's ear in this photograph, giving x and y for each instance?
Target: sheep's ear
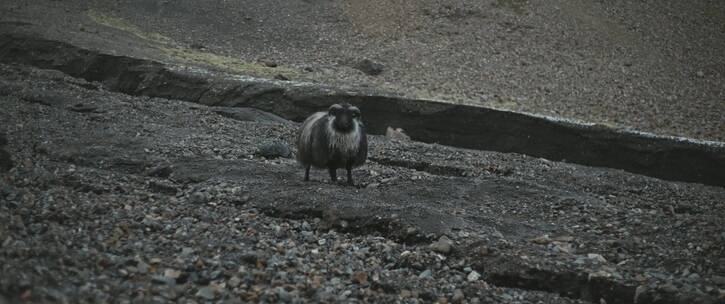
(335, 108)
(355, 111)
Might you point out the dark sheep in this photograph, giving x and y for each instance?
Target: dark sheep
(333, 139)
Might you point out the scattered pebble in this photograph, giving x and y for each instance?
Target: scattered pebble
(473, 276)
(443, 245)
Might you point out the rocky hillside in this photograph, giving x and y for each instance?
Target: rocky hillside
(656, 66)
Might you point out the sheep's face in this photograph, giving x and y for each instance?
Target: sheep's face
(344, 117)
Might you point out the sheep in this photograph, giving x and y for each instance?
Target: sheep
(333, 139)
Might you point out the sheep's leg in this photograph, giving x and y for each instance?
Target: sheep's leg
(307, 173)
(349, 175)
(333, 174)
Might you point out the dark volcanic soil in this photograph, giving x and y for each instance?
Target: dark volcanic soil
(116, 198)
(656, 66)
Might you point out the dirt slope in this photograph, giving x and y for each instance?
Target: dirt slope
(652, 65)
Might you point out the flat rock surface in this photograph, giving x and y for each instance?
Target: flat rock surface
(656, 66)
(149, 199)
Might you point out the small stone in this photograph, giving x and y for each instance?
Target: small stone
(473, 276)
(197, 46)
(458, 296)
(443, 245)
(596, 257)
(186, 251)
(163, 187)
(205, 293)
(563, 238)
(404, 293)
(718, 280)
(283, 295)
(142, 268)
(172, 273)
(370, 67)
(484, 251)
(700, 74)
(599, 274)
(199, 197)
(241, 199)
(669, 287)
(396, 134)
(234, 281)
(268, 63)
(152, 224)
(215, 274)
(562, 247)
(425, 274)
(360, 277)
(281, 77)
(542, 240)
(163, 280)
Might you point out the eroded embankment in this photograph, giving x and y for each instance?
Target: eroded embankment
(175, 178)
(456, 125)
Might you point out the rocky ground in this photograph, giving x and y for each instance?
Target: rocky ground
(114, 198)
(656, 66)
(107, 197)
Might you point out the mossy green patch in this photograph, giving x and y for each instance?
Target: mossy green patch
(226, 63)
(187, 55)
(126, 26)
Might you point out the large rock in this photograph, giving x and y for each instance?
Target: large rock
(370, 67)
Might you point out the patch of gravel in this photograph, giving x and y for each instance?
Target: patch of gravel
(93, 227)
(155, 200)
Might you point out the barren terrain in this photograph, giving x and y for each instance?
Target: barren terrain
(109, 193)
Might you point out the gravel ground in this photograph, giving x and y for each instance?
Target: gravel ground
(656, 66)
(123, 199)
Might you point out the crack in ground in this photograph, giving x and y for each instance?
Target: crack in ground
(462, 126)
